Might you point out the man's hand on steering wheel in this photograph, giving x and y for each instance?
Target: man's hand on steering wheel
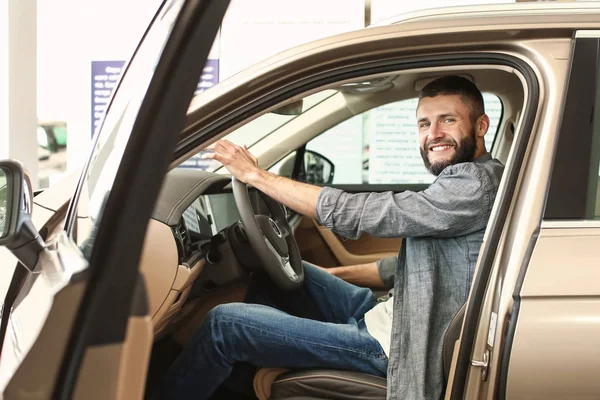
(271, 236)
(298, 196)
(237, 159)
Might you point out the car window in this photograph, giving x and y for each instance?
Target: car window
(574, 191)
(381, 146)
(257, 129)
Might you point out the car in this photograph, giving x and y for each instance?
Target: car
(119, 264)
(52, 135)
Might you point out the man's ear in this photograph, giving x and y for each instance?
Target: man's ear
(483, 124)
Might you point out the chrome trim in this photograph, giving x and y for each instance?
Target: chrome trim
(595, 34)
(275, 227)
(570, 224)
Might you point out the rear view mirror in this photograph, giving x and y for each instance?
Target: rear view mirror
(294, 108)
(17, 232)
(318, 169)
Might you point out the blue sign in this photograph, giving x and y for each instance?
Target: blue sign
(105, 75)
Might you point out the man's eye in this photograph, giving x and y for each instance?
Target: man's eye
(448, 120)
(423, 125)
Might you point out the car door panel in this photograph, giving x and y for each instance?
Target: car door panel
(364, 250)
(320, 246)
(559, 309)
(129, 381)
(53, 302)
(312, 246)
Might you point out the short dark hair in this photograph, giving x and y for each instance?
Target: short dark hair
(457, 85)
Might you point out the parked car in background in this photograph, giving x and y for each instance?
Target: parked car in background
(129, 255)
(52, 135)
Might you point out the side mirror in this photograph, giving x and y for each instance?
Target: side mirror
(17, 232)
(318, 169)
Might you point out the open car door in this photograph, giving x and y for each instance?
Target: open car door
(78, 325)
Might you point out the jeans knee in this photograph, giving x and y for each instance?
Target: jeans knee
(217, 323)
(223, 312)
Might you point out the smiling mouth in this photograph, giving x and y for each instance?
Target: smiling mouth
(438, 148)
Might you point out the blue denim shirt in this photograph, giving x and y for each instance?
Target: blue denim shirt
(443, 227)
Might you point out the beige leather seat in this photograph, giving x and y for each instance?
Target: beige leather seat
(280, 383)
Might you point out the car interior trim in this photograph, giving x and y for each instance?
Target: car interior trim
(181, 187)
(139, 305)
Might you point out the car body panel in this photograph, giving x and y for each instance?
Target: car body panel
(555, 351)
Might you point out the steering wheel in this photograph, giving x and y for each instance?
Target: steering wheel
(271, 238)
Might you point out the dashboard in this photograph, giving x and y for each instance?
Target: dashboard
(193, 244)
(207, 216)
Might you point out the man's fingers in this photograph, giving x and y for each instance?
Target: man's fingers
(210, 156)
(224, 150)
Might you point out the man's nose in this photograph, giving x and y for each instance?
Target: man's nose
(435, 132)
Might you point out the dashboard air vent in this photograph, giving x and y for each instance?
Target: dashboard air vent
(184, 242)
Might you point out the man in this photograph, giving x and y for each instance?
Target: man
(334, 324)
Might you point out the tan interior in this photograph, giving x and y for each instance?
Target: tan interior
(263, 381)
(136, 352)
(96, 359)
(364, 250)
(158, 264)
(127, 379)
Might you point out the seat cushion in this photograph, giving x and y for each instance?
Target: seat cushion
(328, 384)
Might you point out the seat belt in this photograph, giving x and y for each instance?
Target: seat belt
(16, 283)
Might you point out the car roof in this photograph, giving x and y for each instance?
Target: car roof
(497, 10)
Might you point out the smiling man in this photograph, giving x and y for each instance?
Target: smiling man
(443, 227)
(451, 126)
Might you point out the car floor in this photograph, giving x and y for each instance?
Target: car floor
(164, 352)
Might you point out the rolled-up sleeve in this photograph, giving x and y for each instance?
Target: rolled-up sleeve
(387, 270)
(457, 203)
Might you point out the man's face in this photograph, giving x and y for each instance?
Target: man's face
(447, 135)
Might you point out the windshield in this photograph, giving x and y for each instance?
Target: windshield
(118, 123)
(257, 129)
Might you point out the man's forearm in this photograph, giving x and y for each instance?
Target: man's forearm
(366, 275)
(298, 196)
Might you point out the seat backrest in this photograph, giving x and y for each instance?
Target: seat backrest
(451, 337)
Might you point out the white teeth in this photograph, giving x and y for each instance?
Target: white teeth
(440, 148)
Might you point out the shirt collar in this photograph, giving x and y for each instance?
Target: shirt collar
(483, 158)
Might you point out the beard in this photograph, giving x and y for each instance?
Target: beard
(463, 152)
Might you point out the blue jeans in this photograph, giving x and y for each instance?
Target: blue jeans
(319, 326)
